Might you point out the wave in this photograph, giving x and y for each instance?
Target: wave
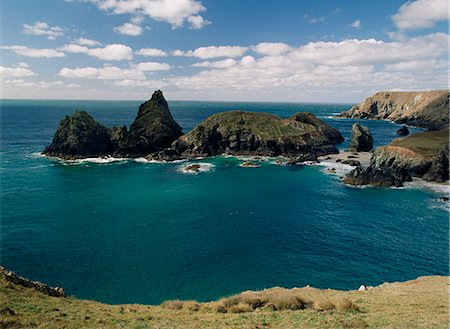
(144, 160)
(334, 168)
(195, 168)
(417, 183)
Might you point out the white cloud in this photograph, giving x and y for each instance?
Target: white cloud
(417, 65)
(420, 14)
(271, 48)
(42, 28)
(212, 52)
(151, 52)
(174, 12)
(152, 66)
(356, 24)
(15, 72)
(87, 42)
(226, 63)
(112, 52)
(314, 20)
(128, 29)
(197, 21)
(34, 52)
(103, 73)
(148, 84)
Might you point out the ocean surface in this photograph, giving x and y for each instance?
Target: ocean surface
(137, 232)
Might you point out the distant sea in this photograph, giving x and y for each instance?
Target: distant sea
(135, 232)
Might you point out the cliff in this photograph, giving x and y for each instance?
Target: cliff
(424, 155)
(251, 133)
(427, 109)
(419, 303)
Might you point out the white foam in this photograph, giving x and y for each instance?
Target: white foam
(249, 165)
(417, 183)
(144, 160)
(98, 160)
(340, 168)
(203, 167)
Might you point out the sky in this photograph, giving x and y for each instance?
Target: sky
(224, 50)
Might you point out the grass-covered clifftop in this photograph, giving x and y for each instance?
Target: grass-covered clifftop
(420, 303)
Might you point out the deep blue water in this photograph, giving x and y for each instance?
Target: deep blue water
(130, 232)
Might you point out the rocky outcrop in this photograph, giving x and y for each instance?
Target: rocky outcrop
(251, 133)
(361, 139)
(403, 131)
(424, 155)
(80, 136)
(18, 280)
(154, 129)
(427, 109)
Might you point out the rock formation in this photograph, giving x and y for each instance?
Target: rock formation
(361, 139)
(251, 133)
(154, 129)
(424, 155)
(427, 109)
(403, 131)
(80, 136)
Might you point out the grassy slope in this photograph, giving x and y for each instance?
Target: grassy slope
(421, 303)
(427, 143)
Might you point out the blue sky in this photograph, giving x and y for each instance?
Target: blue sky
(252, 50)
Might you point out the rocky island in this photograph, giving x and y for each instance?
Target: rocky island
(426, 109)
(156, 135)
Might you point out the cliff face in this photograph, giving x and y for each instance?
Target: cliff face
(424, 155)
(427, 109)
(250, 133)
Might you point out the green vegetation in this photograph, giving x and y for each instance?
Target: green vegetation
(427, 143)
(421, 303)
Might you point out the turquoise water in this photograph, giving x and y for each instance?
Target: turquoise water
(130, 232)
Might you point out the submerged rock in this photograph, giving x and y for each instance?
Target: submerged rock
(361, 139)
(250, 133)
(80, 136)
(403, 131)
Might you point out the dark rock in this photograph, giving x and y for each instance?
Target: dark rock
(7, 311)
(339, 160)
(403, 131)
(353, 163)
(444, 198)
(439, 169)
(80, 136)
(370, 176)
(153, 129)
(250, 133)
(164, 155)
(361, 138)
(352, 157)
(119, 136)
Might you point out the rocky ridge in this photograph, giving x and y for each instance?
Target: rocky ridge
(427, 109)
(424, 155)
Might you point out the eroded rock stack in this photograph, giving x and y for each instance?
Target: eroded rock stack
(361, 139)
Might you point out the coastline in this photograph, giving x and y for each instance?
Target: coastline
(417, 303)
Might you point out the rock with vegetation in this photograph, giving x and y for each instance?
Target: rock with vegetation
(427, 109)
(361, 139)
(251, 133)
(153, 130)
(424, 155)
(80, 136)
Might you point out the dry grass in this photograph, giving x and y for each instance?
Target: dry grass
(421, 303)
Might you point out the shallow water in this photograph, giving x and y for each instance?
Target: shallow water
(138, 232)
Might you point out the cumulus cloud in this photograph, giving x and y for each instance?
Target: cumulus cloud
(42, 28)
(151, 52)
(356, 24)
(34, 52)
(420, 14)
(112, 52)
(102, 73)
(174, 12)
(87, 42)
(128, 29)
(152, 66)
(271, 48)
(226, 63)
(212, 52)
(21, 70)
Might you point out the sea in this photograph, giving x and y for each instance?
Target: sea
(132, 231)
